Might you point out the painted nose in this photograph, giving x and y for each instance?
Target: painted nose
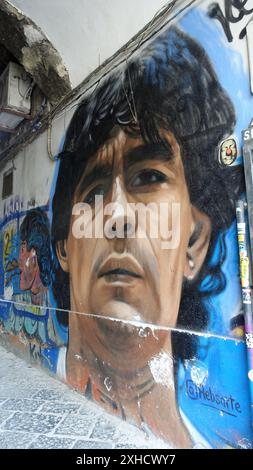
(121, 223)
(122, 229)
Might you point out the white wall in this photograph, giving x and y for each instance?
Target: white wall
(86, 32)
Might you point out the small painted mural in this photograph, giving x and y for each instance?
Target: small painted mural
(142, 310)
(27, 276)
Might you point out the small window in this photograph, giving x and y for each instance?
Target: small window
(7, 184)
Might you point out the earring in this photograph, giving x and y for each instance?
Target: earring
(191, 264)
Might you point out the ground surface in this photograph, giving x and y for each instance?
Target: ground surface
(37, 411)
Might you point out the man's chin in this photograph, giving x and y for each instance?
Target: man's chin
(135, 303)
(120, 311)
(122, 339)
(117, 326)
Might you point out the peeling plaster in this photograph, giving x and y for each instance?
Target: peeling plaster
(162, 370)
(32, 49)
(198, 371)
(14, 10)
(32, 34)
(108, 383)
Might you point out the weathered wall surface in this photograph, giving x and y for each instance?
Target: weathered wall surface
(27, 44)
(150, 326)
(79, 30)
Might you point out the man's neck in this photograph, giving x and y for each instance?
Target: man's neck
(38, 290)
(132, 393)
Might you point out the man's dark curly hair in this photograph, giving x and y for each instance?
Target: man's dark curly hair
(169, 85)
(35, 231)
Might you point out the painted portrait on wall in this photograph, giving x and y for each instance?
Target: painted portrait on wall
(136, 256)
(149, 134)
(28, 271)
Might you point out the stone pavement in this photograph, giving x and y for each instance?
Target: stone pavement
(39, 412)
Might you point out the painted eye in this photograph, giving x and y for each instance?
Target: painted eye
(147, 177)
(97, 191)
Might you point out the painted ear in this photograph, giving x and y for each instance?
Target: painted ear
(62, 255)
(198, 244)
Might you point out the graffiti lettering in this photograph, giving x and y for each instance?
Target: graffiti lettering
(225, 404)
(234, 12)
(14, 206)
(248, 134)
(8, 244)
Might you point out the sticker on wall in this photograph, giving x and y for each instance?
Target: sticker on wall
(228, 152)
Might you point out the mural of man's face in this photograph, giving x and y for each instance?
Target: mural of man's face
(28, 266)
(131, 278)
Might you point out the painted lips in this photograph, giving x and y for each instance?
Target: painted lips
(119, 268)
